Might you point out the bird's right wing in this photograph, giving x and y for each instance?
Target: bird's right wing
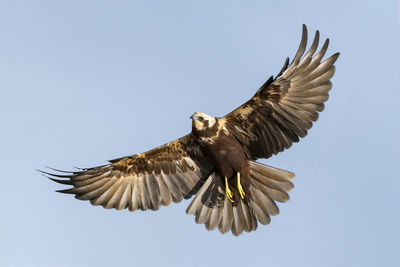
(144, 181)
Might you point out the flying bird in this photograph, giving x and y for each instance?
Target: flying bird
(216, 162)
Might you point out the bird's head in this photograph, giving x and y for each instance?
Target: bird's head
(201, 121)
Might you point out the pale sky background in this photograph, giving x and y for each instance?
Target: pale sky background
(82, 82)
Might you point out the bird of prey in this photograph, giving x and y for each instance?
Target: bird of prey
(216, 162)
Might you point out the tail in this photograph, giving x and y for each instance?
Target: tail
(265, 186)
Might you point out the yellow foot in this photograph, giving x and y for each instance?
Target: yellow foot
(227, 190)
(239, 186)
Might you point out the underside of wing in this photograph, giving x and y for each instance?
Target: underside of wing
(284, 108)
(144, 181)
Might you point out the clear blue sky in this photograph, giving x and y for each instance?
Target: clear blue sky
(82, 82)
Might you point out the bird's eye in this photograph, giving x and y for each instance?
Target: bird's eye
(201, 119)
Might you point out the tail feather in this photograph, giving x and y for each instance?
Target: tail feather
(238, 219)
(249, 221)
(214, 218)
(227, 217)
(196, 203)
(266, 185)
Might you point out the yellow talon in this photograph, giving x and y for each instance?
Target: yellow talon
(227, 190)
(239, 186)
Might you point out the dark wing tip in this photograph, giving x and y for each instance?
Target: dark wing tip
(57, 170)
(326, 42)
(285, 65)
(335, 56)
(302, 46)
(66, 178)
(55, 175)
(305, 32)
(67, 182)
(66, 191)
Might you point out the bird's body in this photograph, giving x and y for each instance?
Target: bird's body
(216, 161)
(224, 150)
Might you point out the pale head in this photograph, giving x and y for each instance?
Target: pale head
(201, 121)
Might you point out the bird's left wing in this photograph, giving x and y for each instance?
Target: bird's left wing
(284, 108)
(144, 181)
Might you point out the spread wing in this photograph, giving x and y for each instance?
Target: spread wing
(284, 108)
(144, 181)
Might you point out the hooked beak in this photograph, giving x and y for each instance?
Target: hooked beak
(193, 117)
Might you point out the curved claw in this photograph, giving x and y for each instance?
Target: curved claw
(228, 192)
(239, 186)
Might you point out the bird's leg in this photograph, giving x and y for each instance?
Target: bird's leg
(239, 186)
(227, 190)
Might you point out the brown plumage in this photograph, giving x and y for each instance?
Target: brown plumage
(280, 112)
